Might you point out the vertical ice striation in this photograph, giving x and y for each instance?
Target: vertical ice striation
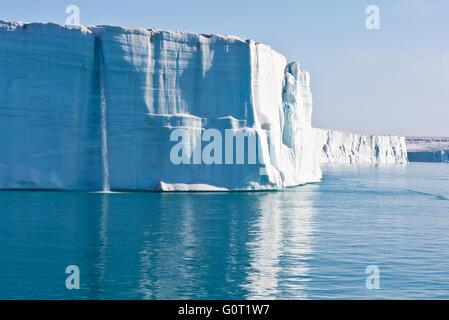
(298, 134)
(94, 108)
(428, 149)
(100, 77)
(345, 147)
(104, 143)
(49, 108)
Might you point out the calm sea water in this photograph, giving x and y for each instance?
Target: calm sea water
(313, 241)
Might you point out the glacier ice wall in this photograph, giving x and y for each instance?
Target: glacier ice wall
(298, 136)
(429, 156)
(428, 149)
(344, 147)
(81, 108)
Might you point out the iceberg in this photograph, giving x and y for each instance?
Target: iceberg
(338, 147)
(106, 107)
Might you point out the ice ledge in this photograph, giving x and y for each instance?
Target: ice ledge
(98, 29)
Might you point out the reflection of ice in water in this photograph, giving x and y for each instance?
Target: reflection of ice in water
(103, 237)
(297, 250)
(100, 246)
(281, 246)
(157, 281)
(265, 250)
(145, 282)
(104, 143)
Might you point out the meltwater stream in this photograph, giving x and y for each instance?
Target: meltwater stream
(104, 143)
(310, 242)
(99, 79)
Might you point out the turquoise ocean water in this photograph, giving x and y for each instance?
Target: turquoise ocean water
(309, 242)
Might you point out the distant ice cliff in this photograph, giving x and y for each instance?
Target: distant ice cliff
(345, 147)
(428, 149)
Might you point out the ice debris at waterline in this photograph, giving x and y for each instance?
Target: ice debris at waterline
(94, 108)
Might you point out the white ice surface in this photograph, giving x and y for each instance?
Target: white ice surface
(345, 147)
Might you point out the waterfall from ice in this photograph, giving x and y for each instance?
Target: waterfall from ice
(104, 142)
(99, 69)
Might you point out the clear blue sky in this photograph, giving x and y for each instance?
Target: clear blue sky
(393, 80)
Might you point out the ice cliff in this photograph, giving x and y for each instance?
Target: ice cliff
(95, 108)
(345, 147)
(428, 149)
